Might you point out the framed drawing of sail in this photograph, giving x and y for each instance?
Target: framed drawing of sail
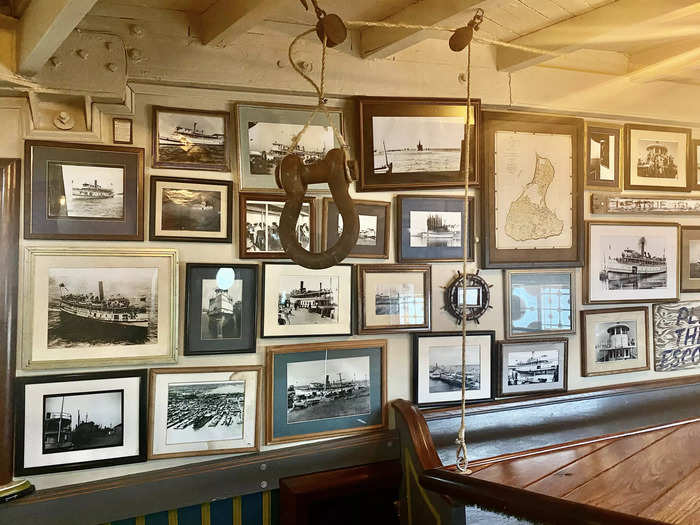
(532, 191)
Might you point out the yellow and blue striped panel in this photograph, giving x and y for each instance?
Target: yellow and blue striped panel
(261, 508)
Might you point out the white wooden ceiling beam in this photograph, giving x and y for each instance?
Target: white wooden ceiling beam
(381, 42)
(662, 62)
(579, 32)
(43, 27)
(226, 20)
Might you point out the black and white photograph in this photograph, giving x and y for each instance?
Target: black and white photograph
(657, 158)
(102, 306)
(84, 420)
(206, 411)
(694, 258)
(373, 239)
(446, 369)
(368, 230)
(603, 161)
(328, 389)
(690, 258)
(633, 262)
(82, 191)
(305, 302)
(191, 210)
(398, 299)
(262, 226)
(616, 341)
(221, 310)
(429, 229)
(535, 366)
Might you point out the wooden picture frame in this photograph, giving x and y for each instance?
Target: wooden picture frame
(200, 214)
(100, 206)
(607, 138)
(249, 241)
(689, 251)
(407, 204)
(510, 238)
(118, 134)
(525, 347)
(189, 148)
(418, 108)
(622, 341)
(393, 307)
(637, 136)
(379, 209)
(695, 173)
(277, 431)
(179, 446)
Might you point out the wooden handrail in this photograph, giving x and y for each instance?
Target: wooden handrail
(419, 432)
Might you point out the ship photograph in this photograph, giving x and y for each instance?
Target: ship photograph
(445, 369)
(206, 411)
(82, 191)
(657, 159)
(633, 262)
(190, 210)
(81, 421)
(430, 228)
(535, 367)
(102, 306)
(616, 341)
(188, 137)
(303, 302)
(327, 389)
(221, 310)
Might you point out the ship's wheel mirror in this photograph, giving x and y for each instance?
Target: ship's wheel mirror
(478, 296)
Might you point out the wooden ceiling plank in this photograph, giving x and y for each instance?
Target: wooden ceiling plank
(576, 32)
(549, 9)
(659, 63)
(226, 20)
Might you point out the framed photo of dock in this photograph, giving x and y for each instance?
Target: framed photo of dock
(88, 307)
(690, 258)
(78, 421)
(375, 221)
(191, 139)
(437, 368)
(416, 143)
(658, 158)
(603, 156)
(190, 210)
(535, 366)
(265, 133)
(204, 410)
(429, 228)
(83, 192)
(317, 390)
(299, 302)
(614, 341)
(631, 262)
(221, 308)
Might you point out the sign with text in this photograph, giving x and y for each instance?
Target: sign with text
(677, 336)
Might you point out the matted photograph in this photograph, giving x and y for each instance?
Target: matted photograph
(76, 421)
(658, 158)
(675, 336)
(614, 341)
(325, 389)
(437, 368)
(193, 210)
(206, 410)
(690, 258)
(532, 367)
(631, 262)
(373, 240)
(603, 159)
(190, 139)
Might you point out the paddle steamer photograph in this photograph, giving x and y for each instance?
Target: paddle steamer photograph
(82, 191)
(633, 263)
(221, 310)
(616, 341)
(302, 302)
(445, 372)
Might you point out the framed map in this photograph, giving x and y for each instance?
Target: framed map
(533, 213)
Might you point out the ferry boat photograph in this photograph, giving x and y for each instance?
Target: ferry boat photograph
(445, 371)
(207, 411)
(102, 306)
(303, 303)
(368, 230)
(616, 341)
(657, 159)
(190, 137)
(534, 367)
(430, 228)
(82, 421)
(190, 210)
(639, 264)
(262, 226)
(327, 389)
(82, 191)
(221, 310)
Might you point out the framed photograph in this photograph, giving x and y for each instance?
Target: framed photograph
(614, 341)
(410, 143)
(375, 218)
(87, 307)
(265, 133)
(190, 210)
(429, 228)
(191, 139)
(77, 421)
(539, 303)
(535, 366)
(221, 308)
(603, 156)
(122, 130)
(83, 192)
(202, 411)
(631, 262)
(676, 336)
(658, 158)
(532, 208)
(690, 258)
(318, 390)
(258, 227)
(618, 204)
(308, 302)
(393, 298)
(437, 368)
(696, 164)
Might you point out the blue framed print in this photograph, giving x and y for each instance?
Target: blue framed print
(325, 389)
(430, 228)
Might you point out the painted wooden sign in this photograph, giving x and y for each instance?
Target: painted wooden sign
(677, 336)
(602, 203)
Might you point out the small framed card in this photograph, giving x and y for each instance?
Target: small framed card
(122, 130)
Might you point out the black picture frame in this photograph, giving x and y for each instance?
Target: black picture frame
(194, 343)
(20, 399)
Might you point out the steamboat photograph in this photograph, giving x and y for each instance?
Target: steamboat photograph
(436, 229)
(525, 368)
(633, 263)
(221, 310)
(77, 191)
(102, 306)
(200, 412)
(302, 302)
(327, 389)
(83, 421)
(191, 210)
(191, 138)
(446, 369)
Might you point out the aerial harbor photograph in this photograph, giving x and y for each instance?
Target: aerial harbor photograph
(303, 302)
(76, 191)
(221, 310)
(446, 369)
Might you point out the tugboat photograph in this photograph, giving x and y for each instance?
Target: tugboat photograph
(641, 268)
(301, 305)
